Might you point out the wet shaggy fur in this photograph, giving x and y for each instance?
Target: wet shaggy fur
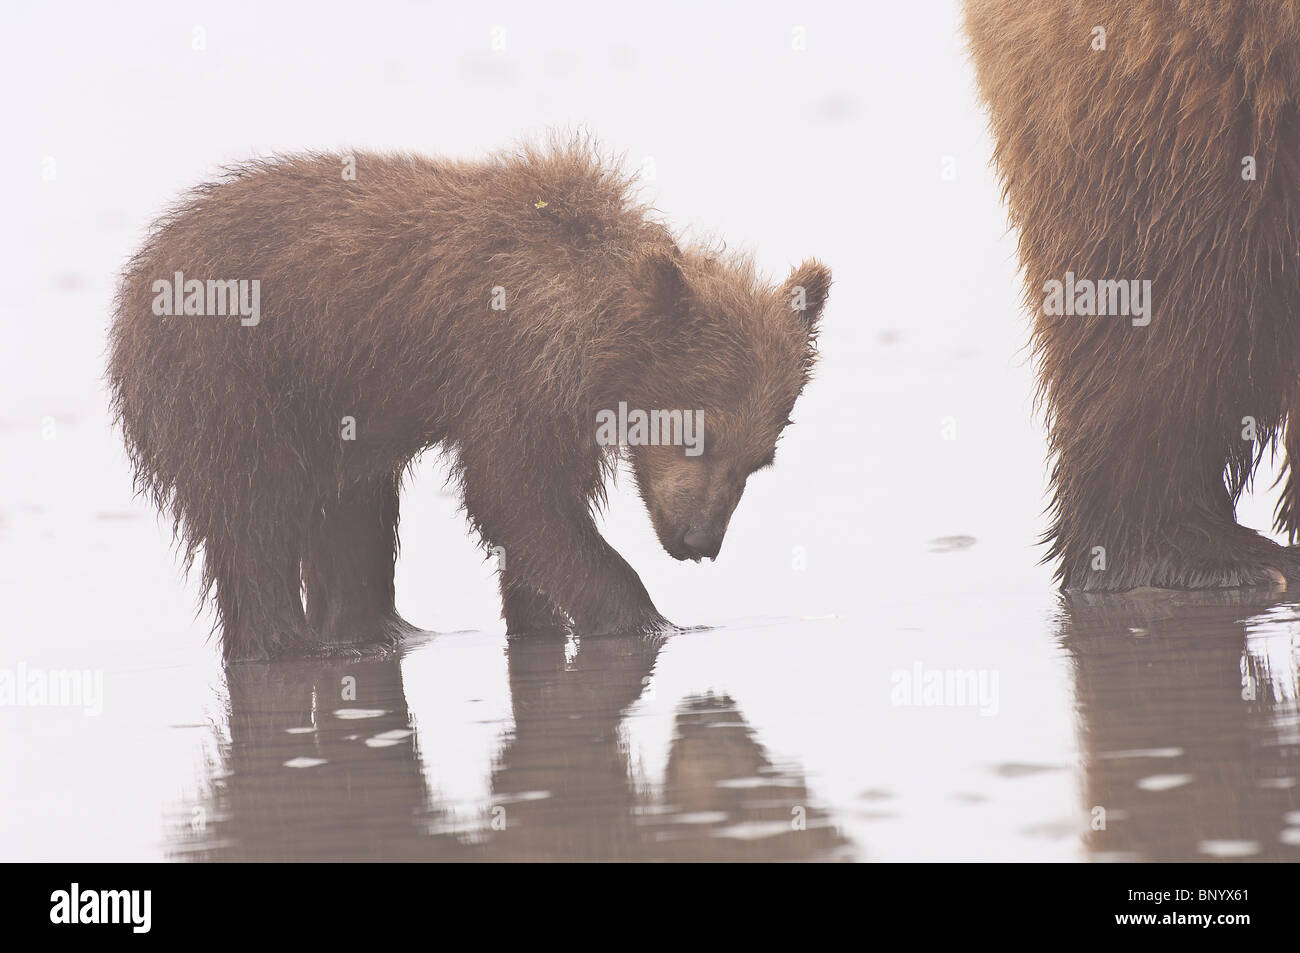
(375, 305)
(1126, 163)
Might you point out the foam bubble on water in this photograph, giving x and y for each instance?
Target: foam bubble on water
(1290, 836)
(1163, 782)
(386, 739)
(701, 817)
(304, 762)
(351, 714)
(521, 796)
(1144, 753)
(653, 809)
(1228, 848)
(1277, 784)
(756, 782)
(754, 830)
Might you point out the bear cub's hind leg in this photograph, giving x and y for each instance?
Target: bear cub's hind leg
(348, 568)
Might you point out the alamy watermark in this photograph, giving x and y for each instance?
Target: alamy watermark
(214, 298)
(128, 907)
(53, 688)
(1085, 297)
(921, 687)
(653, 428)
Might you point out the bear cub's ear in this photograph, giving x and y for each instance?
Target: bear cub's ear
(661, 283)
(806, 290)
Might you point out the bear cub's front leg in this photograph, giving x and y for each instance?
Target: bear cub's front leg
(568, 576)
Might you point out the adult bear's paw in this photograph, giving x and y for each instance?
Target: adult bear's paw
(1187, 560)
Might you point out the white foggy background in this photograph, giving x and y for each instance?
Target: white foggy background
(836, 151)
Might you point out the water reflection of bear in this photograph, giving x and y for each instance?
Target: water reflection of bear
(563, 786)
(721, 798)
(321, 764)
(1190, 738)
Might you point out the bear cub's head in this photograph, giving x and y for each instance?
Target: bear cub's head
(733, 356)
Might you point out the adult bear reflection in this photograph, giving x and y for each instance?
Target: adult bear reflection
(1187, 723)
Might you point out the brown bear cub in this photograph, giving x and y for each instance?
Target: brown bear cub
(1150, 159)
(292, 336)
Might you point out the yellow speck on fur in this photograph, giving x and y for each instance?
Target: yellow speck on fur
(541, 203)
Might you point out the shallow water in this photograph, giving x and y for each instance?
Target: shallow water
(1158, 727)
(890, 674)
(1187, 727)
(1186, 718)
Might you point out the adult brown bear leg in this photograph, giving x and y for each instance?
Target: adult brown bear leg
(1150, 460)
(1147, 151)
(1191, 542)
(1286, 518)
(348, 567)
(256, 575)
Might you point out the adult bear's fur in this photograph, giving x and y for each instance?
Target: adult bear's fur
(1127, 163)
(375, 299)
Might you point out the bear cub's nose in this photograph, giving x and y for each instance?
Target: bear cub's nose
(702, 543)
